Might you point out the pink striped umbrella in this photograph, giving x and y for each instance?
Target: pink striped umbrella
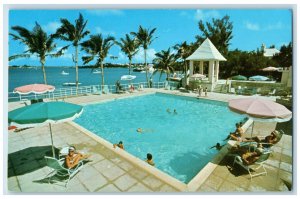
(270, 68)
(34, 88)
(262, 110)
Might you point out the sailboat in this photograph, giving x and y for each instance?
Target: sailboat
(64, 73)
(96, 71)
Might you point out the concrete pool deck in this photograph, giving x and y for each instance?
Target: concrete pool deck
(110, 171)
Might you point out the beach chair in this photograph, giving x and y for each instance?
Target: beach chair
(105, 89)
(58, 169)
(253, 169)
(141, 87)
(272, 92)
(167, 86)
(232, 90)
(96, 90)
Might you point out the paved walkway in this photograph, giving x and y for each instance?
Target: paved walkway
(110, 172)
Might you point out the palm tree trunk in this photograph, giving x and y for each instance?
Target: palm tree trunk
(129, 66)
(102, 74)
(145, 56)
(42, 60)
(76, 67)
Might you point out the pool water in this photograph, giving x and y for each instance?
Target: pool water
(180, 143)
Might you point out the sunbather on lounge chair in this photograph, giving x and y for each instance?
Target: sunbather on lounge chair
(74, 157)
(250, 157)
(270, 139)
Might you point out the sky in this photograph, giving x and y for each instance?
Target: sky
(251, 28)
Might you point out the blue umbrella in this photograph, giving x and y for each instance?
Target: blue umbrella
(258, 78)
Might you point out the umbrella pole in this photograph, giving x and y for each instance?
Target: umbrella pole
(251, 134)
(53, 152)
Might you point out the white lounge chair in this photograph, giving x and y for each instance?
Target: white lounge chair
(60, 171)
(272, 92)
(105, 89)
(232, 90)
(141, 87)
(96, 90)
(253, 168)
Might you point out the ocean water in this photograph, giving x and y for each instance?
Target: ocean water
(21, 76)
(180, 143)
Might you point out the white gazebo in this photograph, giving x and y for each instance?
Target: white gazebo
(207, 52)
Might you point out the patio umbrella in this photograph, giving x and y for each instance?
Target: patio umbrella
(270, 68)
(258, 78)
(43, 113)
(128, 77)
(260, 110)
(239, 77)
(200, 76)
(34, 88)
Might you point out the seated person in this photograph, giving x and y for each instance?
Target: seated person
(237, 134)
(74, 157)
(120, 145)
(250, 157)
(270, 139)
(149, 159)
(131, 88)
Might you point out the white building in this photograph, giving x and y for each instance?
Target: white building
(207, 52)
(269, 52)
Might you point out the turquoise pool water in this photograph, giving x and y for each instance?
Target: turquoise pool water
(180, 143)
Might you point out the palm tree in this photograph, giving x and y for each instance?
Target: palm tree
(144, 38)
(37, 42)
(129, 47)
(183, 51)
(165, 60)
(97, 47)
(73, 33)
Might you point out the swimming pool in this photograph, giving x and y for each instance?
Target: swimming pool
(180, 143)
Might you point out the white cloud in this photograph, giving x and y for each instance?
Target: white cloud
(139, 57)
(252, 26)
(205, 15)
(51, 26)
(103, 32)
(105, 12)
(276, 26)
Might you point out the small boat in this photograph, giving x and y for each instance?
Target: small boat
(138, 69)
(64, 73)
(96, 71)
(70, 84)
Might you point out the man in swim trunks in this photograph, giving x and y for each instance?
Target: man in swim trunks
(74, 157)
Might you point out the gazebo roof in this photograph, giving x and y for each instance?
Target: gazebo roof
(206, 51)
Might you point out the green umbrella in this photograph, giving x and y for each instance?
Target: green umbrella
(239, 77)
(44, 113)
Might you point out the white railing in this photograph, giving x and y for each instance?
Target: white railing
(83, 90)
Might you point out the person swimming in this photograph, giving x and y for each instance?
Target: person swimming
(218, 146)
(140, 130)
(120, 145)
(149, 159)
